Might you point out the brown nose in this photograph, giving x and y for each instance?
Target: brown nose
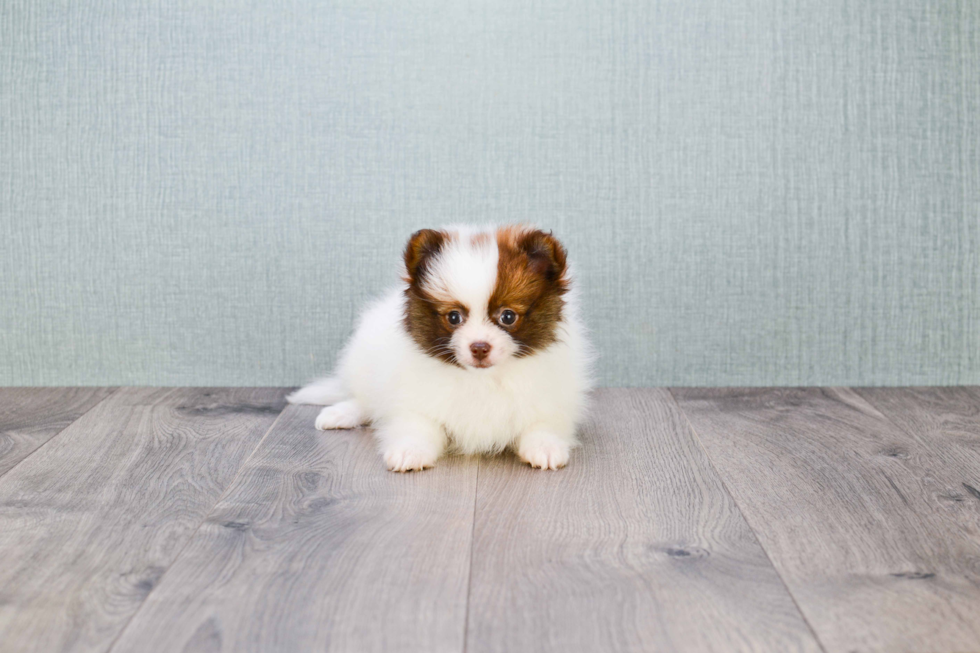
(480, 350)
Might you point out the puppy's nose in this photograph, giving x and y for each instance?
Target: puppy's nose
(480, 350)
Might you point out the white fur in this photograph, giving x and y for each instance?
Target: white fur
(344, 415)
(324, 392)
(421, 406)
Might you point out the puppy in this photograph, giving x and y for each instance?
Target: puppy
(480, 348)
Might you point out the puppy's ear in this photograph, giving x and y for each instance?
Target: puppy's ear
(422, 247)
(545, 255)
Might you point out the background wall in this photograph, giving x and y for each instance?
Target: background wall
(754, 191)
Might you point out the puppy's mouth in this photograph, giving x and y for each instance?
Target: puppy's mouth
(481, 365)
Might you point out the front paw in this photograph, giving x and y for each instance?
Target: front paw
(544, 451)
(407, 458)
(345, 415)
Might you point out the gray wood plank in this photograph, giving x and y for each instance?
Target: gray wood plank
(29, 417)
(90, 521)
(635, 546)
(947, 418)
(859, 518)
(315, 547)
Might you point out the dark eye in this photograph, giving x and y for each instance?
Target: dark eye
(455, 318)
(508, 317)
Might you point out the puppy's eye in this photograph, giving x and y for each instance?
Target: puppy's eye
(455, 318)
(508, 317)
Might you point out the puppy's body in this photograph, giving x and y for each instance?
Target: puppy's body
(478, 386)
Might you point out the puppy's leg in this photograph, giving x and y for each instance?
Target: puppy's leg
(546, 445)
(411, 442)
(345, 415)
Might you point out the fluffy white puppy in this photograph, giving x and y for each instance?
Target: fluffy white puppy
(480, 348)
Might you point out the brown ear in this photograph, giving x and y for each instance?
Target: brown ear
(422, 246)
(545, 255)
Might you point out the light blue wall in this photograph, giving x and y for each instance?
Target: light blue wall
(754, 191)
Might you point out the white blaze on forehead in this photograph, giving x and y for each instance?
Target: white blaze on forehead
(465, 271)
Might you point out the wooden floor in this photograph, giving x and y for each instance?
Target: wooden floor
(815, 519)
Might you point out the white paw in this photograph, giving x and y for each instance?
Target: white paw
(544, 453)
(406, 458)
(345, 415)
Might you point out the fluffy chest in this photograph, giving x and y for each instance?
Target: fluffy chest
(480, 411)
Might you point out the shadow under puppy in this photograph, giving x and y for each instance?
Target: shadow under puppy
(480, 348)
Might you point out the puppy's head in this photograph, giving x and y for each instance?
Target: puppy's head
(478, 297)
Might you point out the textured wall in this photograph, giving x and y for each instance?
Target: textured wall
(754, 191)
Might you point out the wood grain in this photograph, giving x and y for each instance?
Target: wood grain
(90, 522)
(864, 522)
(947, 419)
(316, 547)
(635, 546)
(29, 417)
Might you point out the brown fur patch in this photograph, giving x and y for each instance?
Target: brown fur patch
(425, 316)
(422, 247)
(531, 279)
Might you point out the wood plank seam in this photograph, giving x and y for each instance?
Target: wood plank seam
(724, 485)
(635, 546)
(112, 391)
(469, 578)
(317, 547)
(197, 528)
(867, 522)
